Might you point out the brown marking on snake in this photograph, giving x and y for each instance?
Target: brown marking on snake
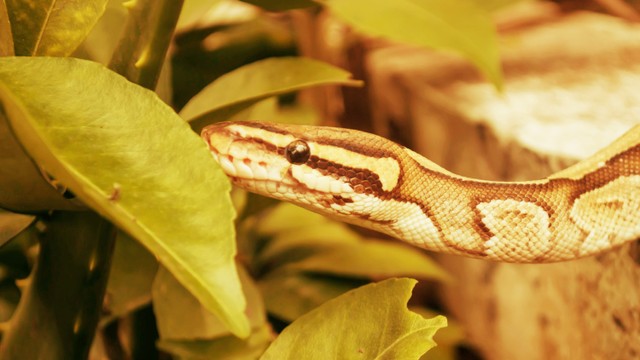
(367, 182)
(615, 167)
(325, 199)
(367, 217)
(322, 140)
(479, 225)
(505, 194)
(341, 200)
(362, 180)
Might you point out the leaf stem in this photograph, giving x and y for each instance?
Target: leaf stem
(141, 52)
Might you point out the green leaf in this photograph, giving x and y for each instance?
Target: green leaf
(374, 260)
(269, 110)
(448, 339)
(286, 217)
(52, 27)
(133, 269)
(12, 224)
(227, 347)
(181, 317)
(371, 322)
(20, 176)
(306, 241)
(131, 158)
(249, 84)
(309, 239)
(281, 5)
(6, 38)
(192, 10)
(289, 295)
(454, 25)
(101, 41)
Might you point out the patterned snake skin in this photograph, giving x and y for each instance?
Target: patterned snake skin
(370, 181)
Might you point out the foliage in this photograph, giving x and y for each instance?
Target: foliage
(93, 145)
(243, 88)
(86, 146)
(459, 26)
(391, 331)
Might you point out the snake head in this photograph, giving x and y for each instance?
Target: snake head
(328, 170)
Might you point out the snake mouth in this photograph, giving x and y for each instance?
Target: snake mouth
(236, 156)
(246, 168)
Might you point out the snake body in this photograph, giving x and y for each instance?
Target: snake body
(367, 180)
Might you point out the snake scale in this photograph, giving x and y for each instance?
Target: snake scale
(367, 180)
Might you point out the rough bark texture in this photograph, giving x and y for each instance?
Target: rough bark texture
(571, 88)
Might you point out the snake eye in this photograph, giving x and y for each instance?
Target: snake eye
(297, 152)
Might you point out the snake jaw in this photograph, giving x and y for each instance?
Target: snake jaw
(236, 155)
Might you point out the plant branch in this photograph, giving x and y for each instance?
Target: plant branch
(58, 313)
(141, 52)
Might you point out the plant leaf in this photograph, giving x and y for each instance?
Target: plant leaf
(12, 224)
(286, 217)
(289, 295)
(247, 85)
(132, 272)
(20, 176)
(101, 41)
(454, 25)
(371, 322)
(226, 347)
(193, 10)
(6, 38)
(374, 260)
(307, 240)
(131, 158)
(448, 339)
(181, 317)
(52, 27)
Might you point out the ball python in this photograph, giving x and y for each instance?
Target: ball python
(367, 180)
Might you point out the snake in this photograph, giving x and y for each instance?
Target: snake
(369, 181)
